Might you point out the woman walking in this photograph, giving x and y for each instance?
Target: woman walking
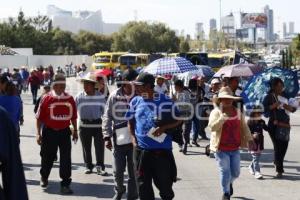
(229, 133)
(277, 109)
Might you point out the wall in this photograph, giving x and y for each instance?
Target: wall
(37, 60)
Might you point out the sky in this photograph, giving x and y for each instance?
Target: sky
(178, 14)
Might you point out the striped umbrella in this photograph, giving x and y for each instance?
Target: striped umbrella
(166, 66)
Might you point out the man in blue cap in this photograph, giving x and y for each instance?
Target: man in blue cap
(153, 157)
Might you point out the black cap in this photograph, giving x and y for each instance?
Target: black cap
(145, 78)
(129, 75)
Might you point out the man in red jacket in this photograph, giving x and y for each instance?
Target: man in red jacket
(57, 109)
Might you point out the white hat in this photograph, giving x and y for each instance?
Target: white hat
(89, 77)
(215, 81)
(226, 93)
(160, 77)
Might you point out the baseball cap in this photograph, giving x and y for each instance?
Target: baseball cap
(129, 75)
(145, 78)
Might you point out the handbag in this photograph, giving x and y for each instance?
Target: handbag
(281, 133)
(123, 136)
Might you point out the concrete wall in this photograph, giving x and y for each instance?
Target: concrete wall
(37, 60)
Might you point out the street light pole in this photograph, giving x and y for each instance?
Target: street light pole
(220, 15)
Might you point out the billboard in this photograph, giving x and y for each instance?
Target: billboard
(254, 20)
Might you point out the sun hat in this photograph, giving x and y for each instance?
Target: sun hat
(226, 93)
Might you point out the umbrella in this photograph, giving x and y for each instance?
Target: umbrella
(202, 70)
(259, 85)
(168, 65)
(240, 70)
(103, 72)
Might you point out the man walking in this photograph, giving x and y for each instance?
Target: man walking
(90, 104)
(153, 158)
(115, 127)
(57, 109)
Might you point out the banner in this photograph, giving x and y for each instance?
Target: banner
(254, 20)
(242, 33)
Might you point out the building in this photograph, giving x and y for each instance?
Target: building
(291, 28)
(228, 26)
(284, 30)
(80, 20)
(269, 32)
(212, 24)
(200, 34)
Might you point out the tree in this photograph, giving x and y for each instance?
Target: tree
(64, 42)
(90, 43)
(145, 37)
(184, 46)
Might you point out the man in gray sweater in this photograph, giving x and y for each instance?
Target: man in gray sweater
(114, 127)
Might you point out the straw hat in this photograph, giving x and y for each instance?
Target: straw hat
(89, 77)
(226, 93)
(160, 77)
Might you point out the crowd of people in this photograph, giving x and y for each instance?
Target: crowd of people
(139, 121)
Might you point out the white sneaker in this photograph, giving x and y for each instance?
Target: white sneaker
(258, 175)
(251, 170)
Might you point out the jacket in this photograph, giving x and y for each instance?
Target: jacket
(216, 121)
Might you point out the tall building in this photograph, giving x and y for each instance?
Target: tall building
(200, 34)
(212, 24)
(269, 33)
(291, 28)
(80, 20)
(284, 30)
(228, 26)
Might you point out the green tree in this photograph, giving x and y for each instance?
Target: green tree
(90, 43)
(184, 46)
(64, 42)
(145, 37)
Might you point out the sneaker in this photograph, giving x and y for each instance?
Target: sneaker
(258, 175)
(66, 190)
(251, 171)
(231, 189)
(101, 172)
(226, 197)
(195, 143)
(88, 171)
(278, 175)
(44, 183)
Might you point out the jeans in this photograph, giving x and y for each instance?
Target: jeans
(255, 162)
(34, 91)
(123, 155)
(229, 166)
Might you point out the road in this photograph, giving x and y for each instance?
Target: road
(198, 174)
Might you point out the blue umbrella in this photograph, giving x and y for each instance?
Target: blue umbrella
(259, 85)
(164, 66)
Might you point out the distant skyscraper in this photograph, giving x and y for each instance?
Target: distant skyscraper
(228, 26)
(269, 33)
(212, 24)
(200, 34)
(284, 30)
(291, 28)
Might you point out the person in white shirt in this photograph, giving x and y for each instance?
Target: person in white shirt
(160, 86)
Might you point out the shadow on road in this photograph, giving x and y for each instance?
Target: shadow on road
(243, 198)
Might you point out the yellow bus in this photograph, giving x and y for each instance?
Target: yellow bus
(133, 60)
(106, 60)
(216, 61)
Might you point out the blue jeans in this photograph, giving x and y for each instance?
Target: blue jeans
(229, 166)
(255, 162)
